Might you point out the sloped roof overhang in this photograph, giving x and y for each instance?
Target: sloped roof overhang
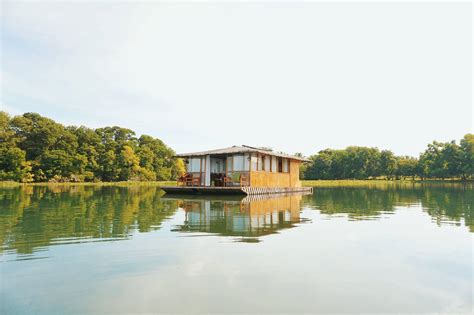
(241, 149)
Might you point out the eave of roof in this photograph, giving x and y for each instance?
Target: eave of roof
(241, 149)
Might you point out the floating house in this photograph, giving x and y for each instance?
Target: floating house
(240, 170)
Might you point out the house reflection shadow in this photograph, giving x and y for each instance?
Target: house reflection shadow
(247, 219)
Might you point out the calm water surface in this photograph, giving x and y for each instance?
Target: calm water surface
(92, 249)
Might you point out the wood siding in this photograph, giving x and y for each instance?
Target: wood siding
(295, 174)
(270, 179)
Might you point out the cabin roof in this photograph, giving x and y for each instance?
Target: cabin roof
(236, 149)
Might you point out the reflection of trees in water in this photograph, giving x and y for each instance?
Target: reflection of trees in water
(452, 204)
(35, 216)
(38, 216)
(443, 203)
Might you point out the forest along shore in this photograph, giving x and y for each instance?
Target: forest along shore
(37, 149)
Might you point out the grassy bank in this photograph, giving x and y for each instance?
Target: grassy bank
(123, 184)
(307, 183)
(378, 182)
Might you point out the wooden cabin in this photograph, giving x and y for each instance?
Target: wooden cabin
(240, 169)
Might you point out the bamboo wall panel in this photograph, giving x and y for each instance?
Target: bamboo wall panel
(269, 179)
(295, 174)
(266, 179)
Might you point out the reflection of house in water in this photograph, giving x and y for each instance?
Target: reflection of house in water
(251, 216)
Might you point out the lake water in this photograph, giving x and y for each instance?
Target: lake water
(105, 249)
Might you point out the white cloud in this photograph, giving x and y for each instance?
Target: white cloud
(299, 77)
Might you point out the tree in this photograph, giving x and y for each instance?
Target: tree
(452, 156)
(180, 168)
(108, 168)
(467, 156)
(57, 165)
(37, 134)
(129, 164)
(406, 167)
(13, 165)
(33, 146)
(431, 162)
(442, 160)
(7, 135)
(156, 157)
(321, 166)
(87, 152)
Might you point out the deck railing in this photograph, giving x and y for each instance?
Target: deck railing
(234, 179)
(189, 179)
(241, 179)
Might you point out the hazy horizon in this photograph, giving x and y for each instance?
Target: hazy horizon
(298, 77)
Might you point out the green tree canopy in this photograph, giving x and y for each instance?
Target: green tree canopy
(439, 160)
(37, 148)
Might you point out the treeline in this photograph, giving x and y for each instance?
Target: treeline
(37, 149)
(439, 160)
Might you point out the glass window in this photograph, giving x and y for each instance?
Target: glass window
(253, 162)
(229, 164)
(239, 163)
(267, 163)
(194, 165)
(188, 165)
(246, 162)
(280, 165)
(217, 166)
(274, 164)
(285, 165)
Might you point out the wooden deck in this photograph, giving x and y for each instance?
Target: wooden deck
(233, 190)
(203, 190)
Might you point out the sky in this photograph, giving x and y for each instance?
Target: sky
(295, 76)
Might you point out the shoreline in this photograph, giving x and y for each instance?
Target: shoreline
(305, 183)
